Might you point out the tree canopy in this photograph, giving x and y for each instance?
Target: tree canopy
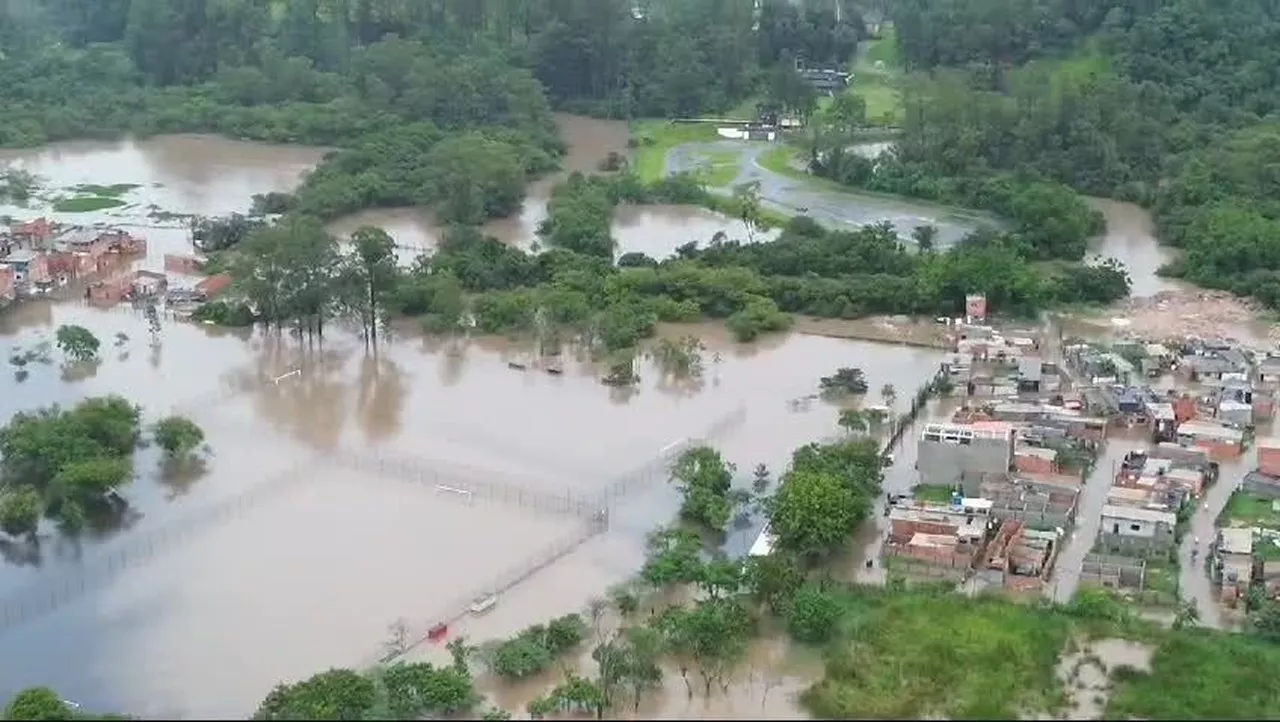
(1169, 104)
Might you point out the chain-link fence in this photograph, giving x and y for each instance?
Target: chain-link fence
(44, 596)
(659, 468)
(459, 608)
(468, 484)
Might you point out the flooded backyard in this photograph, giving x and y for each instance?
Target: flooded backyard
(336, 499)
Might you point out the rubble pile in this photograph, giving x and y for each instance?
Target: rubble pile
(1192, 314)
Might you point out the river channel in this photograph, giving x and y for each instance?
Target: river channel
(320, 518)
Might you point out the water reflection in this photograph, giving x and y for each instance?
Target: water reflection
(380, 398)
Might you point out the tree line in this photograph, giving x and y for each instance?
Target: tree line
(318, 70)
(1166, 104)
(292, 274)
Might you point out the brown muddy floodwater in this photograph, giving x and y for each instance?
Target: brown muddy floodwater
(302, 541)
(1131, 239)
(653, 230)
(310, 569)
(186, 174)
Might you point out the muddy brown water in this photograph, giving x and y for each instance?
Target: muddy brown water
(311, 575)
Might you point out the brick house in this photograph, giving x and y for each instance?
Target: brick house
(33, 233)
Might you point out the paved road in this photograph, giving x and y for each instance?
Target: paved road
(832, 208)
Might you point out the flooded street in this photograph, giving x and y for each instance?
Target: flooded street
(346, 491)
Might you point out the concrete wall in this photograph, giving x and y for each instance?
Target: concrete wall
(1136, 546)
(940, 462)
(1261, 485)
(1113, 572)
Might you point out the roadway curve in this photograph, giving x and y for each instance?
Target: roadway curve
(830, 207)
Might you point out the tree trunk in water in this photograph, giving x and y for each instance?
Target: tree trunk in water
(684, 673)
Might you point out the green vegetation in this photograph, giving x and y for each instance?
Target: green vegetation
(877, 78)
(107, 191)
(936, 493)
(1246, 509)
(1144, 103)
(77, 343)
(67, 463)
(716, 168)
(535, 649)
(654, 139)
(983, 658)
(1200, 674)
(85, 204)
(178, 436)
(399, 691)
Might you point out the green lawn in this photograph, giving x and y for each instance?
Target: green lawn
(940, 493)
(879, 86)
(1245, 509)
(653, 139)
(111, 191)
(85, 204)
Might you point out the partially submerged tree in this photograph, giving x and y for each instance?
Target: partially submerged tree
(77, 342)
(704, 479)
(845, 381)
(20, 511)
(178, 435)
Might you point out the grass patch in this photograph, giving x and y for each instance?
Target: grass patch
(876, 76)
(882, 96)
(109, 191)
(940, 493)
(778, 159)
(904, 655)
(85, 204)
(883, 49)
(653, 139)
(717, 168)
(1246, 509)
(1200, 674)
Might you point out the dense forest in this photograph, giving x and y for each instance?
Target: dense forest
(440, 102)
(1169, 103)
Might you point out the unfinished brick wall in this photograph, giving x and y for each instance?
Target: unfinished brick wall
(1219, 450)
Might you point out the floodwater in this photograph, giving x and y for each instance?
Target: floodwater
(1131, 239)
(181, 174)
(273, 564)
(442, 414)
